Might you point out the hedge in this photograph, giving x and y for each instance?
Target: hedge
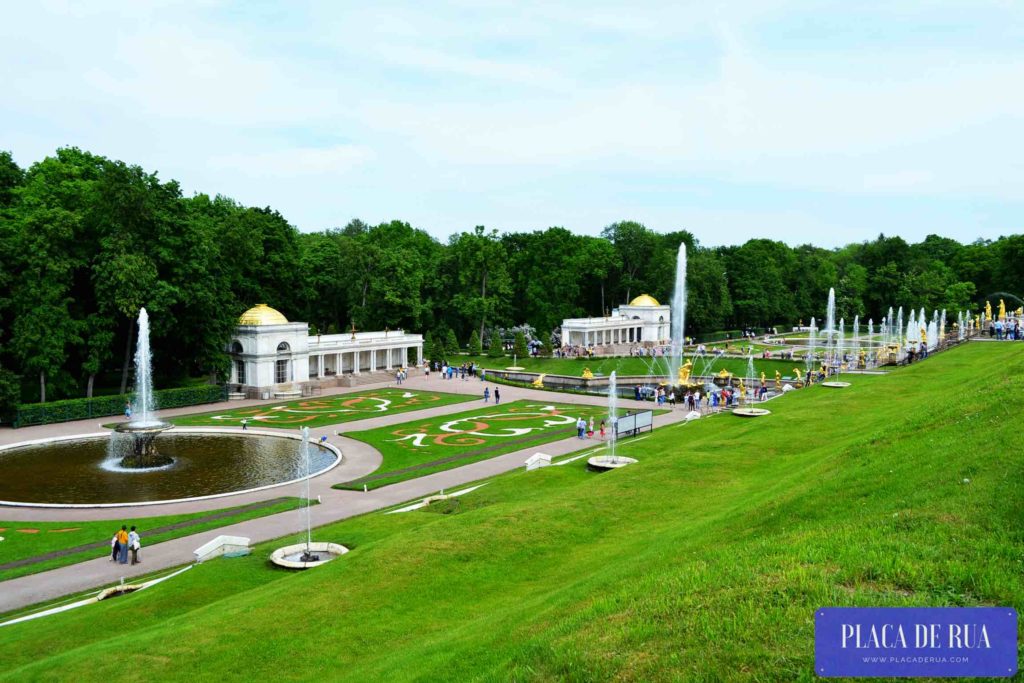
(104, 406)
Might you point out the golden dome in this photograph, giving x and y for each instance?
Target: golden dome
(262, 314)
(644, 300)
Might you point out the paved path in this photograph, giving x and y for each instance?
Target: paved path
(361, 459)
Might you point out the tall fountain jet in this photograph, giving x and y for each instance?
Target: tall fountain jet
(134, 440)
(678, 316)
(830, 328)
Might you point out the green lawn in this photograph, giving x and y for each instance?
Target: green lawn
(31, 539)
(629, 365)
(414, 449)
(326, 410)
(705, 561)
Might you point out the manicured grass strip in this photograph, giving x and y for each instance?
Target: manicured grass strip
(633, 366)
(49, 545)
(414, 449)
(705, 561)
(325, 410)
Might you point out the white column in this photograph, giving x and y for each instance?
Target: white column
(387, 359)
(419, 355)
(373, 359)
(355, 363)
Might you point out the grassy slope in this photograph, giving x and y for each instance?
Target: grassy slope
(19, 545)
(399, 455)
(627, 365)
(400, 405)
(704, 561)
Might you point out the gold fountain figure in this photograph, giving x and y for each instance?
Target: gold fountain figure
(538, 381)
(778, 381)
(587, 374)
(684, 373)
(988, 310)
(1002, 310)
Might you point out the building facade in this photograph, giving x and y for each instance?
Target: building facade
(271, 355)
(642, 321)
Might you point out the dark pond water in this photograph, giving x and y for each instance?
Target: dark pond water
(80, 471)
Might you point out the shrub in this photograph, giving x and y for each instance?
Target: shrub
(104, 406)
(495, 350)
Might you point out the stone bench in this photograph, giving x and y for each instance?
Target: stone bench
(219, 546)
(287, 394)
(236, 396)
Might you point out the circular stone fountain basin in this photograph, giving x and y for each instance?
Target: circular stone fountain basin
(835, 385)
(81, 471)
(608, 462)
(291, 556)
(751, 412)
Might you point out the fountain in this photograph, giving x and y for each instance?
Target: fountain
(678, 329)
(833, 343)
(308, 554)
(811, 351)
(750, 382)
(135, 441)
(611, 461)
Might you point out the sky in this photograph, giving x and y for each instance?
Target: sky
(807, 122)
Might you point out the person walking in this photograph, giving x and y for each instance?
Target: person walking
(497, 396)
(590, 428)
(115, 549)
(487, 394)
(134, 544)
(602, 429)
(245, 423)
(128, 410)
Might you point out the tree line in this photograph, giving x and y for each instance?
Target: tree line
(86, 241)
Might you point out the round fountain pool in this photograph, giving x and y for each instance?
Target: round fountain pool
(79, 471)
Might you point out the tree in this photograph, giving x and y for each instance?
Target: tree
(451, 343)
(634, 244)
(482, 284)
(428, 347)
(495, 350)
(519, 347)
(10, 393)
(475, 348)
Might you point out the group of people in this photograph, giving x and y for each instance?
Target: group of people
(463, 372)
(585, 430)
(125, 541)
(401, 375)
(487, 395)
(574, 351)
(1008, 330)
(695, 400)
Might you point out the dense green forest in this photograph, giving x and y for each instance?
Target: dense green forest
(85, 241)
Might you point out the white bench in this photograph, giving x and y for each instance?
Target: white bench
(219, 546)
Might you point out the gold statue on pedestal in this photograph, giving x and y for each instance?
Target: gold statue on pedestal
(799, 377)
(778, 381)
(684, 373)
(538, 381)
(988, 310)
(743, 391)
(862, 360)
(587, 374)
(1002, 310)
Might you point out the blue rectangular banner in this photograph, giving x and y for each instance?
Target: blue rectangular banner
(908, 642)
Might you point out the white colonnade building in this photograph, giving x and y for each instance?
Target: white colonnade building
(274, 356)
(642, 321)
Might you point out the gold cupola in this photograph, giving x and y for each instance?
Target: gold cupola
(262, 314)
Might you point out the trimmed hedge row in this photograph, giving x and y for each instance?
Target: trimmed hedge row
(104, 406)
